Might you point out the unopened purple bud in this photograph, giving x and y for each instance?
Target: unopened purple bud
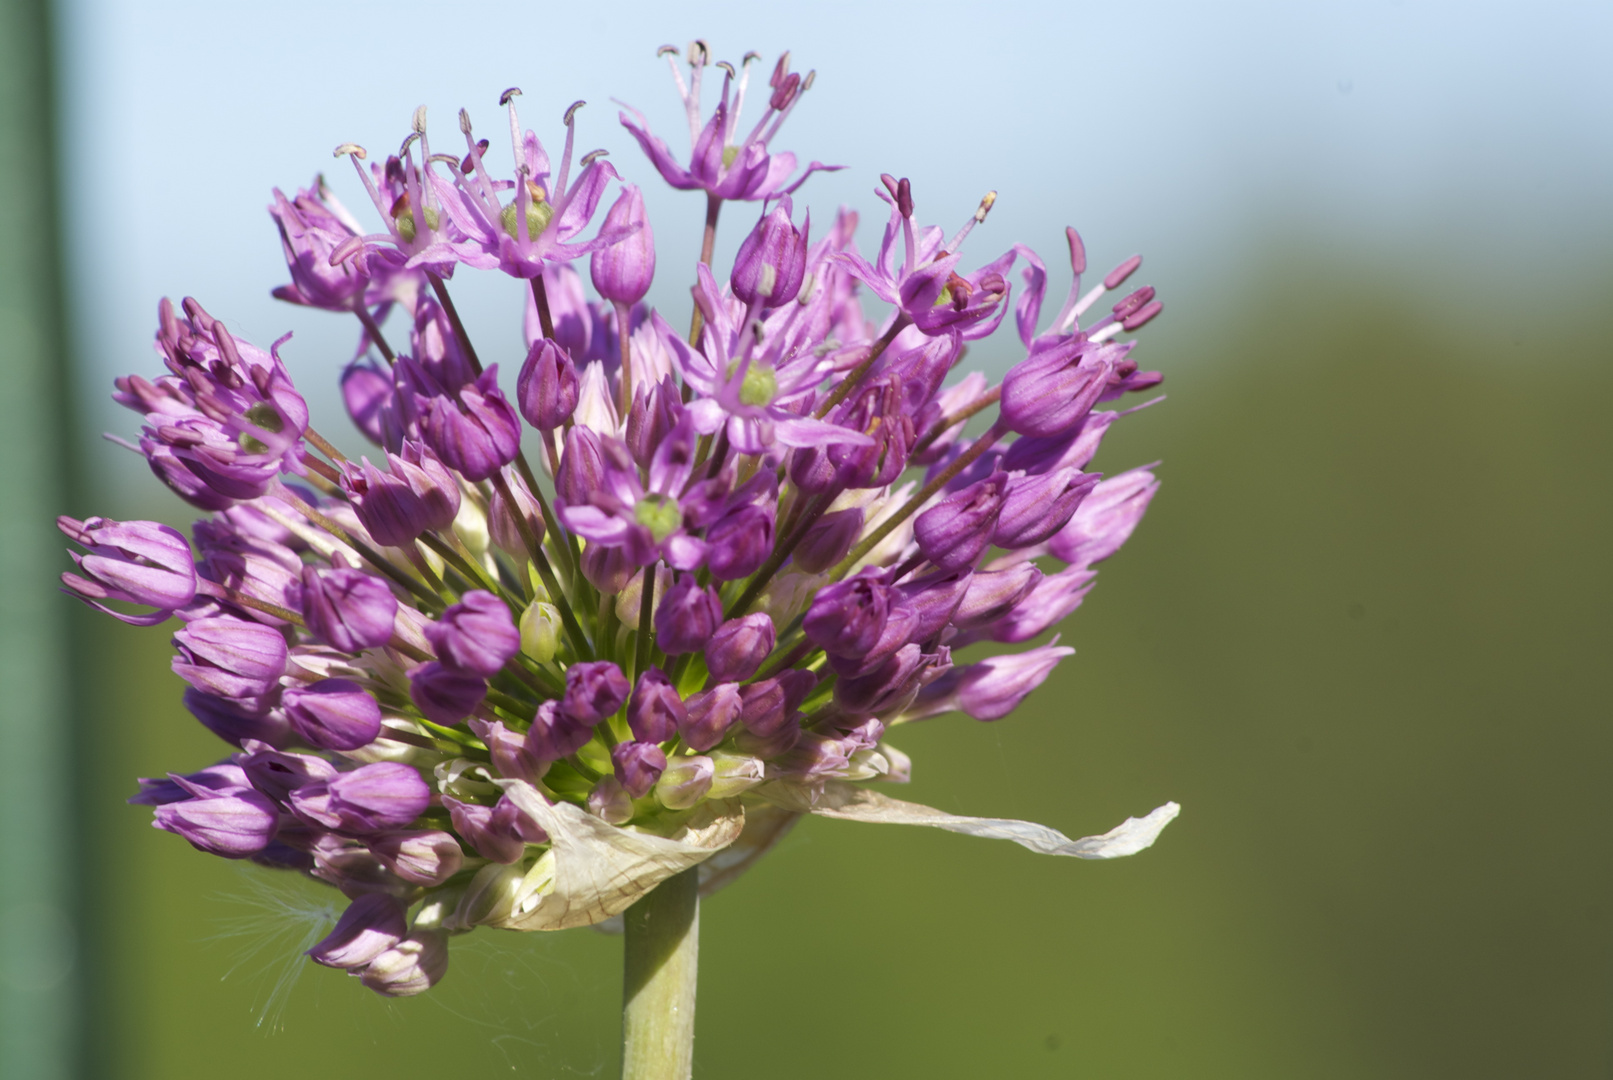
(475, 635)
(594, 691)
(655, 711)
(1051, 391)
(901, 626)
(547, 387)
(611, 802)
(444, 694)
(622, 271)
(687, 616)
(499, 832)
(480, 434)
(828, 540)
(372, 924)
(385, 795)
(651, 419)
(736, 651)
(893, 685)
(224, 778)
(638, 766)
(582, 468)
(771, 261)
(848, 617)
(1105, 519)
(1036, 507)
(347, 609)
(276, 774)
(416, 495)
(412, 966)
(135, 562)
(501, 524)
(426, 857)
(763, 709)
(739, 542)
(333, 714)
(992, 688)
(934, 598)
(508, 750)
(230, 657)
(685, 782)
(235, 722)
(954, 533)
(233, 826)
(554, 735)
(710, 714)
(367, 393)
(994, 593)
(608, 569)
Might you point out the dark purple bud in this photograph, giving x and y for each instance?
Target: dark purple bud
(994, 593)
(736, 651)
(1051, 391)
(1074, 449)
(230, 657)
(656, 711)
(546, 389)
(653, 416)
(444, 694)
(687, 616)
(622, 271)
(475, 635)
(554, 735)
(739, 542)
(347, 609)
(992, 688)
(611, 802)
(412, 966)
(811, 470)
(235, 722)
(367, 393)
(372, 924)
(385, 795)
(135, 562)
(1105, 519)
(499, 832)
(426, 857)
(771, 261)
(501, 524)
(934, 598)
(333, 714)
(762, 707)
(828, 540)
(1036, 507)
(477, 436)
(594, 691)
(848, 617)
(685, 782)
(508, 750)
(893, 685)
(225, 778)
(1053, 598)
(233, 826)
(954, 533)
(901, 626)
(277, 774)
(582, 468)
(608, 569)
(416, 495)
(710, 714)
(638, 766)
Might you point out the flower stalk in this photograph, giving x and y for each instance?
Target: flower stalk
(660, 964)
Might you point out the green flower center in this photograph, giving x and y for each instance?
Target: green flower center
(759, 386)
(405, 222)
(729, 155)
(659, 514)
(538, 215)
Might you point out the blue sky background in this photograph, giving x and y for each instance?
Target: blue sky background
(1464, 150)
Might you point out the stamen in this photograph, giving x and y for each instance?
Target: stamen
(664, 50)
(571, 111)
(592, 156)
(419, 121)
(350, 148)
(806, 83)
(699, 53)
(464, 122)
(1119, 274)
(980, 213)
(512, 92)
(726, 66)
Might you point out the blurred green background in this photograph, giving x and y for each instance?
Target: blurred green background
(1359, 635)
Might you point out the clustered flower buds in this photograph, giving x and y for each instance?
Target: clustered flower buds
(671, 576)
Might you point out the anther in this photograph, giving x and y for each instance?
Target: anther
(727, 67)
(512, 92)
(806, 83)
(890, 183)
(1078, 250)
(986, 203)
(571, 111)
(666, 50)
(350, 148)
(408, 142)
(780, 69)
(904, 197)
(419, 123)
(591, 157)
(749, 57)
(464, 122)
(699, 53)
(469, 162)
(757, 330)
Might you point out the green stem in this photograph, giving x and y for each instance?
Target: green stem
(660, 962)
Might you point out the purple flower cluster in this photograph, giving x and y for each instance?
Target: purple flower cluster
(731, 562)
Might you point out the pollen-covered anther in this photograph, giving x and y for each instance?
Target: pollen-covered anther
(571, 111)
(350, 148)
(418, 121)
(512, 92)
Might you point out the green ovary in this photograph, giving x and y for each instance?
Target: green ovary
(658, 514)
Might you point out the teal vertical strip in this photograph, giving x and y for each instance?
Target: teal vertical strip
(38, 1032)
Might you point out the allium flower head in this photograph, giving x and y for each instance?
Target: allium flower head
(534, 656)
